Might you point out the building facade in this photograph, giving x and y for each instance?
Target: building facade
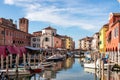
(47, 38)
(10, 35)
(85, 43)
(57, 41)
(69, 43)
(82, 44)
(50, 39)
(113, 38)
(95, 42)
(35, 42)
(102, 39)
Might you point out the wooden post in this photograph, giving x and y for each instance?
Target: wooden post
(10, 60)
(2, 62)
(18, 56)
(34, 60)
(39, 58)
(42, 56)
(29, 58)
(108, 70)
(100, 67)
(7, 64)
(102, 70)
(95, 65)
(24, 59)
(17, 63)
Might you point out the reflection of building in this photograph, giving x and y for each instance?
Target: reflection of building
(68, 63)
(47, 74)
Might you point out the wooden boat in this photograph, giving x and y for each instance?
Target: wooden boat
(93, 66)
(56, 57)
(37, 70)
(46, 64)
(32, 69)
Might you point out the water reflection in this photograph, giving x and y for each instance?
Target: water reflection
(70, 69)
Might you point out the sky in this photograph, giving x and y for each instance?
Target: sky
(74, 18)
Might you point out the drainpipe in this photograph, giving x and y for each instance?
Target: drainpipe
(4, 36)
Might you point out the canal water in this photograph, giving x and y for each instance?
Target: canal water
(70, 69)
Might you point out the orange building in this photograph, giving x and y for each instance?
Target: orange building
(113, 37)
(57, 41)
(10, 35)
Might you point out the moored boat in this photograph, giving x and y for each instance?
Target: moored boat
(46, 64)
(56, 57)
(93, 65)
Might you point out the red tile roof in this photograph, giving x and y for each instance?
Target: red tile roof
(49, 28)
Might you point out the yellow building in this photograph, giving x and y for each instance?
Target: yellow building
(69, 43)
(102, 39)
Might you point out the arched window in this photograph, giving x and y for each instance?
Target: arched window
(34, 39)
(46, 39)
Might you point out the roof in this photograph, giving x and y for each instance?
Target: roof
(23, 18)
(49, 28)
(34, 49)
(38, 32)
(104, 26)
(116, 14)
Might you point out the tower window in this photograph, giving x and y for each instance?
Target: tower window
(53, 34)
(46, 39)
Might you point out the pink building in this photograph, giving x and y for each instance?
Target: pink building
(57, 41)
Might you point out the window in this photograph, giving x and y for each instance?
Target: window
(53, 33)
(46, 39)
(116, 31)
(109, 37)
(38, 39)
(2, 32)
(34, 45)
(7, 32)
(56, 41)
(13, 41)
(34, 39)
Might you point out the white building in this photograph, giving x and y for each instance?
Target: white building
(47, 38)
(35, 42)
(95, 41)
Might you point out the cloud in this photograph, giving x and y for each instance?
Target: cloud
(119, 1)
(9, 2)
(60, 12)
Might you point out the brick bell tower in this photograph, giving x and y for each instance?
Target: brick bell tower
(23, 24)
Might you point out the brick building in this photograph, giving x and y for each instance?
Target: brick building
(10, 35)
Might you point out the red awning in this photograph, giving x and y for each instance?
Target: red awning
(3, 51)
(13, 49)
(22, 51)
